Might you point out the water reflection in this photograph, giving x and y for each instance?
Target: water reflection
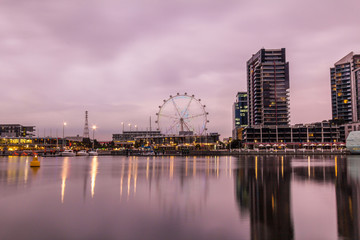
(94, 166)
(64, 175)
(194, 191)
(14, 172)
(263, 189)
(347, 198)
(122, 176)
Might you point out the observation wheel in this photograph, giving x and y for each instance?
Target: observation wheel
(182, 113)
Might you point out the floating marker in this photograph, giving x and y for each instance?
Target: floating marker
(35, 162)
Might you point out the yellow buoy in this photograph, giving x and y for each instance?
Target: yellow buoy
(35, 162)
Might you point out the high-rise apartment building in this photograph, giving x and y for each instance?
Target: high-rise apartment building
(240, 114)
(345, 88)
(240, 110)
(268, 88)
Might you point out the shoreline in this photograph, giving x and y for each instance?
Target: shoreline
(193, 153)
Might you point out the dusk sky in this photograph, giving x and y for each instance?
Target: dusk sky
(120, 59)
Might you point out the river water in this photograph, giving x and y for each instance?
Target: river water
(116, 197)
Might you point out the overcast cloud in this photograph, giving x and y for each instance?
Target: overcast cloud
(120, 59)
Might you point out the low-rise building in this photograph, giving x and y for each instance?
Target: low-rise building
(320, 132)
(207, 141)
(349, 127)
(16, 130)
(128, 137)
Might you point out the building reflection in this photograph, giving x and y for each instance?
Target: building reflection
(262, 187)
(347, 197)
(263, 190)
(177, 185)
(343, 172)
(181, 185)
(15, 173)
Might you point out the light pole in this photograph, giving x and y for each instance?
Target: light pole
(136, 128)
(64, 124)
(94, 128)
(130, 126)
(122, 123)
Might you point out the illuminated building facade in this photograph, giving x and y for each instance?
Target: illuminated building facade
(320, 132)
(240, 114)
(268, 88)
(345, 87)
(131, 135)
(184, 141)
(16, 131)
(127, 138)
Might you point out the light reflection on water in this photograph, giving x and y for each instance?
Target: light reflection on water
(247, 197)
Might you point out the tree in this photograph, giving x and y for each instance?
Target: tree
(87, 142)
(236, 143)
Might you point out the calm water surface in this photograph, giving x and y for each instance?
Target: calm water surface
(246, 197)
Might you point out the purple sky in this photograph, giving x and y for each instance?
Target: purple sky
(120, 59)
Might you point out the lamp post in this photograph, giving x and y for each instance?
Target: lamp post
(64, 124)
(130, 126)
(136, 128)
(94, 128)
(122, 123)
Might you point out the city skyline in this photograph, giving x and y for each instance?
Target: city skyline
(120, 60)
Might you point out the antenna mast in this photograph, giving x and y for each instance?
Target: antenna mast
(86, 128)
(150, 123)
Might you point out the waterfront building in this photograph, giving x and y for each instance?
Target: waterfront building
(345, 87)
(240, 114)
(319, 132)
(128, 137)
(268, 88)
(349, 127)
(76, 138)
(40, 143)
(193, 141)
(16, 131)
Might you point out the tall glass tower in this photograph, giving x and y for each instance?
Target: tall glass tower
(240, 114)
(268, 88)
(345, 87)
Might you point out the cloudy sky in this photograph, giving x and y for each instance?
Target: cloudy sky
(119, 59)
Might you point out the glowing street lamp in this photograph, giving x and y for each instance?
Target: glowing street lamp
(130, 126)
(136, 128)
(94, 128)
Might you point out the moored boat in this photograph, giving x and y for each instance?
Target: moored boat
(82, 153)
(68, 153)
(93, 153)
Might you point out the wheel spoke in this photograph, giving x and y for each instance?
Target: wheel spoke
(187, 126)
(168, 116)
(171, 127)
(195, 116)
(187, 107)
(176, 107)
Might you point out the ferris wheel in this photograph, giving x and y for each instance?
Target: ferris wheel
(180, 113)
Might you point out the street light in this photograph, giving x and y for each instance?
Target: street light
(94, 128)
(122, 123)
(64, 124)
(130, 126)
(135, 127)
